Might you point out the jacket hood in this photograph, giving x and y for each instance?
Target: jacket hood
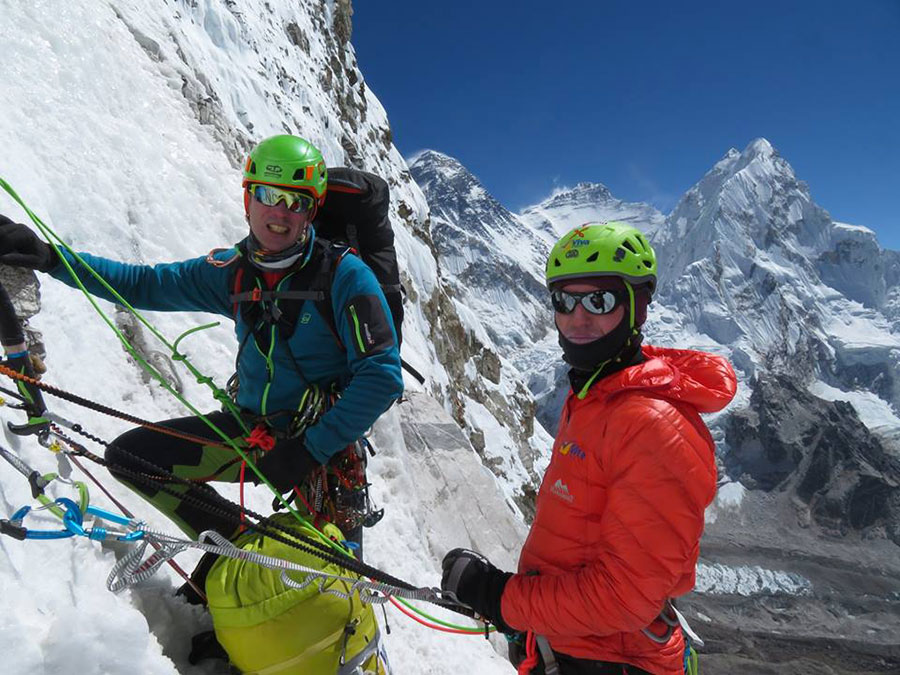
(705, 381)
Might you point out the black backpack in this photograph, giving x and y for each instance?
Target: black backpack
(356, 213)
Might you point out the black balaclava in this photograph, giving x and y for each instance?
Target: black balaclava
(618, 349)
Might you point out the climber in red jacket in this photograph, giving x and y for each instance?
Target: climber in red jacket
(620, 510)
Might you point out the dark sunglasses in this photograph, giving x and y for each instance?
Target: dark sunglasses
(595, 302)
(297, 202)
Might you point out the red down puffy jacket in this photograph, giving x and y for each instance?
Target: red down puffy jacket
(621, 510)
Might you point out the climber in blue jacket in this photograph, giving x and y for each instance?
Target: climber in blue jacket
(338, 342)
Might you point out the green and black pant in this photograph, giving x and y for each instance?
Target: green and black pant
(136, 448)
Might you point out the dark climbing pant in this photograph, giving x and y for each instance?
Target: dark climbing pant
(146, 451)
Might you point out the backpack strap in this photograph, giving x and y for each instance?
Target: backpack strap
(261, 308)
(324, 306)
(357, 211)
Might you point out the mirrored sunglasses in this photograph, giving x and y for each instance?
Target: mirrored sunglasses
(595, 302)
(297, 202)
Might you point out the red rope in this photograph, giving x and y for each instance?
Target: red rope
(430, 625)
(299, 493)
(260, 438)
(243, 516)
(531, 654)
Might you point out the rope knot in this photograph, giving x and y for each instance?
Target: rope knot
(260, 438)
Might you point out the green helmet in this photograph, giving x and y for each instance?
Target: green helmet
(290, 162)
(603, 249)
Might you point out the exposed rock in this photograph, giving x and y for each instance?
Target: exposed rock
(199, 93)
(455, 346)
(789, 440)
(854, 265)
(134, 333)
(476, 436)
(489, 365)
(449, 473)
(297, 36)
(24, 292)
(450, 341)
(354, 158)
(343, 24)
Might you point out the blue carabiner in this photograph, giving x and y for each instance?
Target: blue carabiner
(73, 522)
(119, 520)
(19, 515)
(73, 517)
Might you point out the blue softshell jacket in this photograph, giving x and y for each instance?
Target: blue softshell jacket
(367, 370)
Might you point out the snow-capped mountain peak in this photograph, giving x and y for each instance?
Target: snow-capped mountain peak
(462, 192)
(478, 239)
(756, 264)
(583, 193)
(566, 208)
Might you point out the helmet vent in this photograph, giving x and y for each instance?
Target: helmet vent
(593, 256)
(299, 174)
(252, 168)
(556, 262)
(627, 244)
(647, 264)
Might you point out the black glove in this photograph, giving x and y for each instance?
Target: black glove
(286, 464)
(21, 247)
(476, 583)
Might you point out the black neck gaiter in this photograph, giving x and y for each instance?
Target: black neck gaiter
(630, 354)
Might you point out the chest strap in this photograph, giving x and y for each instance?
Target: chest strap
(260, 295)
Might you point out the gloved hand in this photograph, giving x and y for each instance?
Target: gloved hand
(286, 464)
(476, 583)
(21, 247)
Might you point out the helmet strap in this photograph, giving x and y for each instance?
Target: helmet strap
(630, 304)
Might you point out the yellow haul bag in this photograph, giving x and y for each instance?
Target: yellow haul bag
(269, 628)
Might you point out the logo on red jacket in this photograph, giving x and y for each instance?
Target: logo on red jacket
(569, 448)
(561, 490)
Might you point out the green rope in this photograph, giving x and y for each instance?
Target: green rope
(446, 624)
(308, 528)
(220, 395)
(181, 357)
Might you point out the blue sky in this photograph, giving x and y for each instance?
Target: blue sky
(645, 96)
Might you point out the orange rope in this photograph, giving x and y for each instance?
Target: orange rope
(50, 389)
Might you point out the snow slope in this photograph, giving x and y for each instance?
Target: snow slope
(123, 127)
